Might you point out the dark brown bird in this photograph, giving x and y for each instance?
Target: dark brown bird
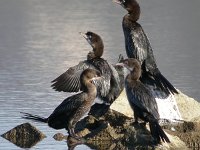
(138, 46)
(108, 87)
(73, 108)
(142, 101)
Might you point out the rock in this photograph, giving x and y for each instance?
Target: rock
(189, 133)
(120, 133)
(60, 137)
(24, 135)
(116, 131)
(188, 107)
(121, 105)
(186, 133)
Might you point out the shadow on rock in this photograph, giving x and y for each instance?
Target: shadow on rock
(24, 135)
(114, 131)
(189, 132)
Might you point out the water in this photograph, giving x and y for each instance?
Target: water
(39, 40)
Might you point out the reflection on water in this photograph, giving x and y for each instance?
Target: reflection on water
(39, 39)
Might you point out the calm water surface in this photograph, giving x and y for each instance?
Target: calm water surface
(39, 40)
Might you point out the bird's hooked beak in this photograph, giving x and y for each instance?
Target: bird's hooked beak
(117, 2)
(86, 37)
(121, 69)
(96, 77)
(120, 2)
(120, 64)
(124, 65)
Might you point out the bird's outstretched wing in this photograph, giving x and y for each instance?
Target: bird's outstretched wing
(138, 46)
(69, 81)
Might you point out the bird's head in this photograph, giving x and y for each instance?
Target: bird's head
(133, 65)
(89, 76)
(131, 6)
(95, 41)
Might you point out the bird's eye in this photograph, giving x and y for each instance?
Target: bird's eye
(90, 37)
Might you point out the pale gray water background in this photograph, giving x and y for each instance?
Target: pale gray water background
(39, 40)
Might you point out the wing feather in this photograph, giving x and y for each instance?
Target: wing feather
(69, 105)
(139, 44)
(69, 81)
(142, 98)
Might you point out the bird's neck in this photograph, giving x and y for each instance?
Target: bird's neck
(98, 49)
(134, 76)
(133, 12)
(90, 88)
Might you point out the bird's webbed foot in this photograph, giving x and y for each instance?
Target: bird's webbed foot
(73, 134)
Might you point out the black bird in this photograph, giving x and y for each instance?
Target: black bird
(73, 108)
(142, 101)
(108, 87)
(138, 46)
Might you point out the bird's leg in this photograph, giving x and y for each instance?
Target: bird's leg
(71, 131)
(73, 134)
(136, 118)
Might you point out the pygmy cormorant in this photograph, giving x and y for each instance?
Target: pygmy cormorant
(138, 46)
(73, 108)
(108, 87)
(142, 101)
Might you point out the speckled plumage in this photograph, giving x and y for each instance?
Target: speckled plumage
(73, 108)
(138, 46)
(108, 87)
(142, 101)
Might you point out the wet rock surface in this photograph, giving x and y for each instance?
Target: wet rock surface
(24, 135)
(189, 133)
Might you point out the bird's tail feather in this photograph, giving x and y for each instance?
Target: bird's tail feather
(157, 132)
(159, 80)
(166, 84)
(34, 117)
